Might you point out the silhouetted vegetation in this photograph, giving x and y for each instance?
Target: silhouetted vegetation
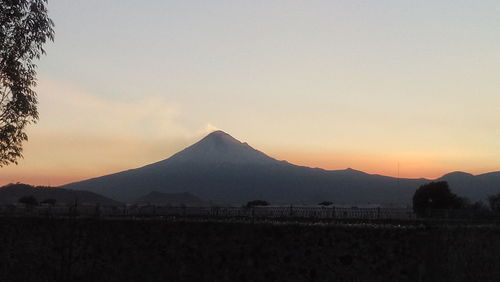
(477, 206)
(256, 203)
(28, 200)
(326, 203)
(435, 195)
(494, 201)
(24, 29)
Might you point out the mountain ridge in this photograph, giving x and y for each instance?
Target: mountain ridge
(220, 168)
(10, 194)
(218, 147)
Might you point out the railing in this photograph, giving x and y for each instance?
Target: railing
(269, 212)
(213, 212)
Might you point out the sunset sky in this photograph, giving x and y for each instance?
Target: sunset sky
(331, 84)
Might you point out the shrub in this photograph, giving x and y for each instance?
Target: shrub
(255, 203)
(28, 200)
(494, 202)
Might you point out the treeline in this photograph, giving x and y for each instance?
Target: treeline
(432, 199)
(438, 196)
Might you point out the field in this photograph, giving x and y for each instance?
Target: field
(38, 249)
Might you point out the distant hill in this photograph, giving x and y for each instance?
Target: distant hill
(220, 168)
(10, 194)
(171, 199)
(474, 187)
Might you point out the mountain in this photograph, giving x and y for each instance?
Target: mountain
(218, 148)
(221, 169)
(10, 194)
(171, 199)
(473, 187)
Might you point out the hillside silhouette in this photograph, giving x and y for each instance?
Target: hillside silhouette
(219, 168)
(11, 193)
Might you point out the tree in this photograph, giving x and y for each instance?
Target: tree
(435, 195)
(494, 202)
(24, 28)
(28, 200)
(255, 203)
(326, 203)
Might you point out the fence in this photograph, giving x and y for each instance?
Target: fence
(213, 212)
(269, 212)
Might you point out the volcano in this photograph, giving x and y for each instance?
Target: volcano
(221, 169)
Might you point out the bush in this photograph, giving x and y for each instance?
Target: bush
(28, 200)
(435, 195)
(494, 202)
(255, 203)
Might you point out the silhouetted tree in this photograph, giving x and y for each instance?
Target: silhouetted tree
(326, 203)
(255, 203)
(494, 202)
(477, 206)
(28, 200)
(24, 29)
(435, 195)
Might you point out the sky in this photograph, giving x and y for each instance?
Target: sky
(331, 84)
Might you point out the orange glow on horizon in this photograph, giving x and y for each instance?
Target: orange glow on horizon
(409, 166)
(52, 178)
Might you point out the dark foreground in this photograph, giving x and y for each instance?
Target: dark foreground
(43, 249)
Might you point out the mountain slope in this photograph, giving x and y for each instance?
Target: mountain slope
(473, 187)
(222, 169)
(217, 148)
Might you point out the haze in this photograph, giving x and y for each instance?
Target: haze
(331, 84)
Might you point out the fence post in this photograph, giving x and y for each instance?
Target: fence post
(378, 212)
(97, 210)
(75, 208)
(333, 212)
(291, 210)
